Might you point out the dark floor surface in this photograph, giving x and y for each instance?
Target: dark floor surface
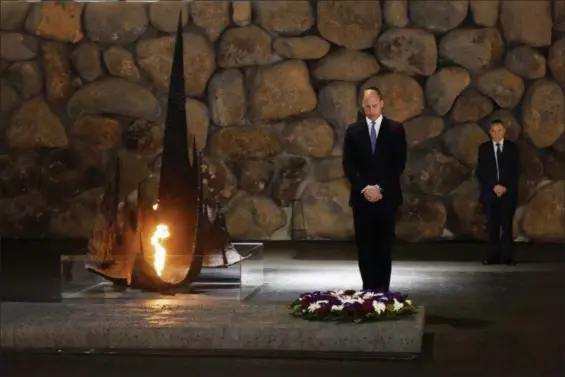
(481, 320)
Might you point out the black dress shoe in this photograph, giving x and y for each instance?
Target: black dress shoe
(488, 262)
(510, 262)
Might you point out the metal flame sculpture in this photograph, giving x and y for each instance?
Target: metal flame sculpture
(164, 241)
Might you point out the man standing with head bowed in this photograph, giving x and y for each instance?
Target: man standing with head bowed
(498, 170)
(374, 157)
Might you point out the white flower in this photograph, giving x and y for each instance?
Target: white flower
(408, 302)
(316, 305)
(357, 294)
(397, 305)
(352, 300)
(313, 307)
(337, 308)
(379, 307)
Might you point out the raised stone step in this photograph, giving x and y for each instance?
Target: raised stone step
(164, 325)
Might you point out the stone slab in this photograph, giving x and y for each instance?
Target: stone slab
(164, 325)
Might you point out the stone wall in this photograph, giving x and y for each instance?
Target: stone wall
(271, 87)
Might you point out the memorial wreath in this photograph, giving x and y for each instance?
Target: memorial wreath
(352, 306)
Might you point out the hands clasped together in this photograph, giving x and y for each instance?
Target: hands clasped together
(499, 190)
(372, 193)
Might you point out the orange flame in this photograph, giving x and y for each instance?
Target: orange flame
(161, 233)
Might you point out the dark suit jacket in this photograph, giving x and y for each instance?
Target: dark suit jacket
(509, 166)
(383, 168)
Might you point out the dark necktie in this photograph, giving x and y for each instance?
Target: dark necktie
(498, 156)
(373, 136)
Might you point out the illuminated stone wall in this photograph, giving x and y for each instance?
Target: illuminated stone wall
(271, 88)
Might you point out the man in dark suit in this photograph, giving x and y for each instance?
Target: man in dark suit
(498, 170)
(374, 157)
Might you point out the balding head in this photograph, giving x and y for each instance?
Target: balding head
(372, 103)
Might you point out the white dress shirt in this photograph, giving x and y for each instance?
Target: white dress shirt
(378, 122)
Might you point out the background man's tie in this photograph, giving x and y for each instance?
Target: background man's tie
(373, 136)
(498, 156)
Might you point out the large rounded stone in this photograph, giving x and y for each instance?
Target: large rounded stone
(253, 217)
(422, 128)
(245, 46)
(241, 143)
(474, 49)
(115, 22)
(402, 95)
(164, 15)
(143, 137)
(531, 171)
(155, 57)
(227, 98)
(15, 47)
(281, 91)
(355, 25)
(556, 58)
(410, 51)
(86, 60)
(468, 214)
(338, 104)
(96, 131)
(346, 65)
(536, 14)
(395, 13)
(284, 17)
(438, 16)
(57, 71)
(197, 121)
(471, 106)
(544, 113)
(13, 14)
(19, 173)
(327, 214)
(254, 176)
(433, 173)
(290, 173)
(485, 13)
(35, 126)
(554, 167)
(26, 78)
(444, 86)
(114, 96)
(77, 218)
(303, 48)
(544, 215)
(9, 98)
(309, 137)
(218, 178)
(327, 169)
(526, 62)
(25, 215)
(212, 16)
(120, 63)
(502, 86)
(54, 20)
(513, 127)
(420, 219)
(463, 141)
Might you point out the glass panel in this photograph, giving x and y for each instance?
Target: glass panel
(243, 277)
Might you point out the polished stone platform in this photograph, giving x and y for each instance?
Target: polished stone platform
(189, 325)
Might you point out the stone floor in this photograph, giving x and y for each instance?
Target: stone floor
(481, 321)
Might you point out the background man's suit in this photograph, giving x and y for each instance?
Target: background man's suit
(499, 165)
(374, 223)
